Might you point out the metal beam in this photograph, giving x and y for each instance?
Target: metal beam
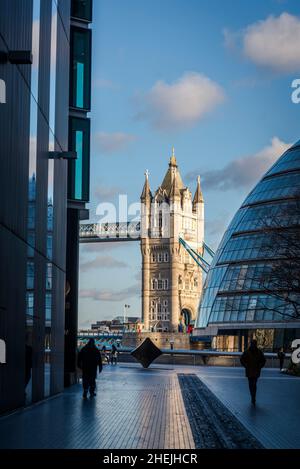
(196, 256)
(109, 232)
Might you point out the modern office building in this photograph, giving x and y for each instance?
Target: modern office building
(252, 288)
(79, 169)
(44, 52)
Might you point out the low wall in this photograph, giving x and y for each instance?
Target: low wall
(160, 339)
(198, 360)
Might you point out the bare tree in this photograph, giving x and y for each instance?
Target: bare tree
(280, 279)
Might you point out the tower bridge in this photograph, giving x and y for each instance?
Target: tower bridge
(173, 252)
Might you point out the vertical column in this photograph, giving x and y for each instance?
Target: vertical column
(71, 309)
(174, 251)
(145, 282)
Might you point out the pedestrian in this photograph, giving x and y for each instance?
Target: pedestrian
(281, 357)
(89, 359)
(114, 354)
(253, 360)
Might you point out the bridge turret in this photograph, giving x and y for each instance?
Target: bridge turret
(172, 281)
(198, 208)
(146, 195)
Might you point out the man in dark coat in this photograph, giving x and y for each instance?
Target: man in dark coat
(253, 360)
(89, 359)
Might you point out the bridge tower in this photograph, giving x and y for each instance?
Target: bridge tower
(171, 279)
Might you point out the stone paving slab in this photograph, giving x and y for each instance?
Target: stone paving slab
(134, 408)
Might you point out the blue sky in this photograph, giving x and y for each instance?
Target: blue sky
(211, 78)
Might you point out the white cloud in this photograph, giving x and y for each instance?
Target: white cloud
(110, 295)
(274, 43)
(102, 262)
(102, 192)
(242, 172)
(98, 248)
(182, 103)
(112, 142)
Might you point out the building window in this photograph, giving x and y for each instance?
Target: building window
(31, 217)
(153, 257)
(166, 257)
(80, 73)
(49, 277)
(82, 9)
(49, 246)
(160, 284)
(50, 216)
(30, 303)
(154, 282)
(48, 306)
(160, 257)
(30, 275)
(166, 284)
(79, 169)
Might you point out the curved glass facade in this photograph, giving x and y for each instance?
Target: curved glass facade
(238, 288)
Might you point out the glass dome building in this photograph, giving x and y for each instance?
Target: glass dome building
(253, 285)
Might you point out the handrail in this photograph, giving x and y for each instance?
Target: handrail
(205, 353)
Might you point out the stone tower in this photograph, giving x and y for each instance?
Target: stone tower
(171, 279)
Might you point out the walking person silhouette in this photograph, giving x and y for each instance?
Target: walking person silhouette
(253, 360)
(89, 359)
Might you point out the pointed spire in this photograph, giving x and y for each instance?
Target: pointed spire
(146, 189)
(173, 161)
(198, 197)
(175, 188)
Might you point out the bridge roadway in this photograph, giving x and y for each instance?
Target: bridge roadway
(137, 408)
(109, 232)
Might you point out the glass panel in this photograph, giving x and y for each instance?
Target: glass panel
(288, 161)
(50, 209)
(31, 218)
(79, 169)
(276, 187)
(82, 9)
(80, 89)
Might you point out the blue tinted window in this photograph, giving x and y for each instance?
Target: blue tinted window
(79, 169)
(80, 73)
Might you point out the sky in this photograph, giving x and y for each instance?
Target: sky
(211, 78)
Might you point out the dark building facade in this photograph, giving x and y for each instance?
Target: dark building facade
(79, 169)
(253, 285)
(35, 176)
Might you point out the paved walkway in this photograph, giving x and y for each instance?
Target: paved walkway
(275, 421)
(137, 408)
(134, 408)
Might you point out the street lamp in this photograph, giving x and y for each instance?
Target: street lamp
(125, 307)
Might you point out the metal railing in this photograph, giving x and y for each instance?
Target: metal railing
(204, 357)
